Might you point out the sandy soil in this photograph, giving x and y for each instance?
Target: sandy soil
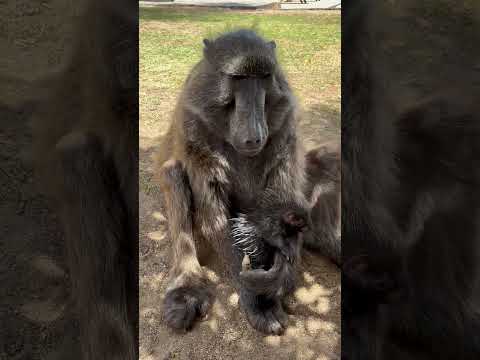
(314, 329)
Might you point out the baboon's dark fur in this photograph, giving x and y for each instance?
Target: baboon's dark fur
(85, 152)
(234, 136)
(411, 184)
(271, 260)
(320, 228)
(324, 193)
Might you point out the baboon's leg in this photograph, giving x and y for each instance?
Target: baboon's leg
(261, 294)
(188, 295)
(98, 250)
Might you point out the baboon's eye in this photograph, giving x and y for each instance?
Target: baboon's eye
(239, 77)
(266, 76)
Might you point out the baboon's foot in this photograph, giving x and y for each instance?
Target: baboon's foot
(185, 304)
(264, 314)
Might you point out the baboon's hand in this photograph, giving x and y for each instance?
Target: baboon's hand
(262, 281)
(278, 281)
(183, 305)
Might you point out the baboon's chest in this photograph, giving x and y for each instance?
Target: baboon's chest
(248, 180)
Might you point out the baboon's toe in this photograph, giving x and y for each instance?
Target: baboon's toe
(183, 305)
(267, 317)
(274, 327)
(266, 322)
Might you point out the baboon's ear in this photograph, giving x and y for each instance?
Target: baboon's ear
(207, 43)
(272, 45)
(207, 49)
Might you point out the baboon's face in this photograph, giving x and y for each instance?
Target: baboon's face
(248, 128)
(246, 88)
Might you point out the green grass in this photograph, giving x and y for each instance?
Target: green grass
(171, 42)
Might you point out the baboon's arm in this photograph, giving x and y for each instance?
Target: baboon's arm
(188, 295)
(284, 190)
(210, 188)
(178, 205)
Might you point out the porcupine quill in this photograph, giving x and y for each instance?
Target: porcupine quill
(246, 240)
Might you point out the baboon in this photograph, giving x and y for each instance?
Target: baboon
(410, 185)
(85, 153)
(324, 193)
(232, 142)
